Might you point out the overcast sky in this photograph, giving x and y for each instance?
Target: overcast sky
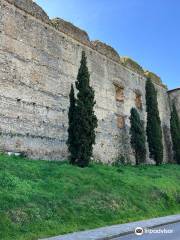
(148, 31)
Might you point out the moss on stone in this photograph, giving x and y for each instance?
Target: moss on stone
(130, 63)
(155, 78)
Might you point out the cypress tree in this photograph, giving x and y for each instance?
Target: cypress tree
(138, 139)
(154, 131)
(175, 133)
(86, 121)
(71, 142)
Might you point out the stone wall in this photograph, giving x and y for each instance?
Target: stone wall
(71, 30)
(174, 96)
(30, 7)
(39, 59)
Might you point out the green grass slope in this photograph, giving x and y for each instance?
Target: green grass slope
(40, 199)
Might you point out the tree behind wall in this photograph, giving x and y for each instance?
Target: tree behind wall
(154, 131)
(85, 119)
(175, 133)
(138, 138)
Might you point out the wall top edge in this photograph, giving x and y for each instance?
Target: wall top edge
(174, 90)
(33, 9)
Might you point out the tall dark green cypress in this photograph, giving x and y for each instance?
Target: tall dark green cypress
(71, 142)
(138, 138)
(86, 121)
(175, 133)
(154, 131)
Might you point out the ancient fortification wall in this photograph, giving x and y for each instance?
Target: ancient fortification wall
(39, 59)
(174, 96)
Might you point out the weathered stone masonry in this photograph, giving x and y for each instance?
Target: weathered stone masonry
(39, 59)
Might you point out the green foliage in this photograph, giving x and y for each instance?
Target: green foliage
(138, 138)
(121, 160)
(39, 199)
(154, 131)
(175, 133)
(71, 142)
(85, 120)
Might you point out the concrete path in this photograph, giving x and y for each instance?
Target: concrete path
(172, 233)
(113, 232)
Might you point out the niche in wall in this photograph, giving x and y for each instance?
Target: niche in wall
(138, 100)
(120, 121)
(119, 93)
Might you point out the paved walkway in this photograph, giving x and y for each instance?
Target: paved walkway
(173, 234)
(116, 231)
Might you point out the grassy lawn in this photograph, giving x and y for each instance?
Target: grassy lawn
(40, 199)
